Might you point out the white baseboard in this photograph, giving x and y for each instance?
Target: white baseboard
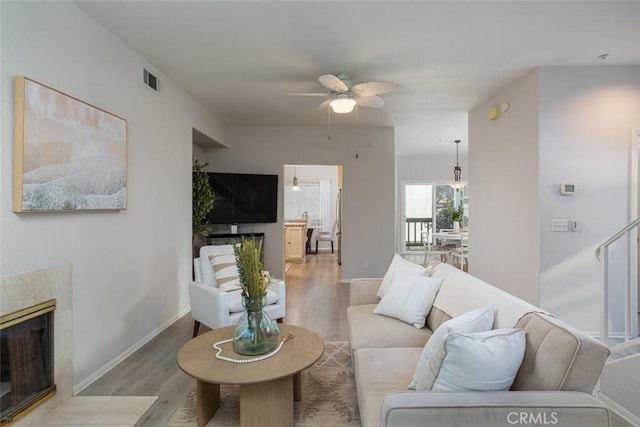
(128, 352)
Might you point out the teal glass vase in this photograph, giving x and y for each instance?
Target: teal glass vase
(255, 333)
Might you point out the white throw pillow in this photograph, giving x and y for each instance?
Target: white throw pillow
(399, 263)
(226, 271)
(478, 320)
(482, 361)
(409, 298)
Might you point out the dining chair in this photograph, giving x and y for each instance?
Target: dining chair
(431, 250)
(327, 236)
(461, 254)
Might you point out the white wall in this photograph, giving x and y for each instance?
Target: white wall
(124, 262)
(199, 153)
(432, 167)
(586, 117)
(368, 185)
(565, 124)
(503, 191)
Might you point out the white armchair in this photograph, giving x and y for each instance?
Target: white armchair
(217, 308)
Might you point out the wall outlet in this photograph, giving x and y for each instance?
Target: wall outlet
(366, 264)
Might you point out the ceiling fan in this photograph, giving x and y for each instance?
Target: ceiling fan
(344, 95)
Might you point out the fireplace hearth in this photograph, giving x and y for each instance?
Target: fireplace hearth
(27, 360)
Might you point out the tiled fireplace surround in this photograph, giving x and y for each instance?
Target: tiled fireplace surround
(27, 289)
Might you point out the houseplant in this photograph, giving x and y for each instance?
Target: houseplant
(255, 332)
(202, 202)
(456, 216)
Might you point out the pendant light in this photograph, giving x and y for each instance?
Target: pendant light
(457, 183)
(295, 187)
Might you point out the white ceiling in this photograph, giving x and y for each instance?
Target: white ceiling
(241, 58)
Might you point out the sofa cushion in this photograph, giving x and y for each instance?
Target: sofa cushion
(436, 317)
(461, 292)
(557, 358)
(369, 330)
(409, 298)
(380, 371)
(400, 264)
(481, 361)
(480, 319)
(235, 300)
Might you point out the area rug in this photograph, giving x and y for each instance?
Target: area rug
(328, 396)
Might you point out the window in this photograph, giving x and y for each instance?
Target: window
(306, 200)
(445, 199)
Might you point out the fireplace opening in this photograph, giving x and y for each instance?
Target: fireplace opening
(26, 360)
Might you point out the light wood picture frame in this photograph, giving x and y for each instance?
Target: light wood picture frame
(68, 155)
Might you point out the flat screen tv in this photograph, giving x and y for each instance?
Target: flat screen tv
(242, 198)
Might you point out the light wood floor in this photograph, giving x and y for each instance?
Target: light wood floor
(315, 300)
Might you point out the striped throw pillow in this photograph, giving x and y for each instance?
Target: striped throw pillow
(224, 267)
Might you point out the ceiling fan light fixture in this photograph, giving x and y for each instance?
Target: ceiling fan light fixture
(342, 105)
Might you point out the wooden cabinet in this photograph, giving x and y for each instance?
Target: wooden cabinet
(294, 242)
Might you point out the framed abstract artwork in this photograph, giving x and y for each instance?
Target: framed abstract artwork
(68, 155)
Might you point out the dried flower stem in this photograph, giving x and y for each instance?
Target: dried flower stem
(250, 269)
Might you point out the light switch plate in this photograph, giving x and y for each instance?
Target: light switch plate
(559, 225)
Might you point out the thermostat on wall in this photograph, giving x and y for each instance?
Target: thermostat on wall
(567, 189)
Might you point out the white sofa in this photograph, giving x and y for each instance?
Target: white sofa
(217, 308)
(554, 385)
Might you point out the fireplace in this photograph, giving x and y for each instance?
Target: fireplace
(27, 359)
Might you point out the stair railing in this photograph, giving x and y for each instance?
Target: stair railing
(602, 253)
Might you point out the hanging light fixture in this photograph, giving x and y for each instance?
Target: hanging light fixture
(457, 183)
(342, 104)
(295, 187)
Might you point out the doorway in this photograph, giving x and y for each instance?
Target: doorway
(427, 205)
(312, 217)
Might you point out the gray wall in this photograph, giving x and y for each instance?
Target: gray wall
(504, 239)
(368, 185)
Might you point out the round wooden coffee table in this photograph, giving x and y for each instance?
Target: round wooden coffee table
(267, 388)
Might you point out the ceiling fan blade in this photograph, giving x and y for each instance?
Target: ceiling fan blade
(370, 101)
(324, 105)
(373, 88)
(306, 94)
(333, 83)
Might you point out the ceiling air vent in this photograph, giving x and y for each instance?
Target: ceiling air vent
(151, 81)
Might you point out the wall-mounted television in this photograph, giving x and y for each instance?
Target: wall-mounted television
(242, 198)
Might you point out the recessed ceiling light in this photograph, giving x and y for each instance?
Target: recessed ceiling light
(603, 56)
